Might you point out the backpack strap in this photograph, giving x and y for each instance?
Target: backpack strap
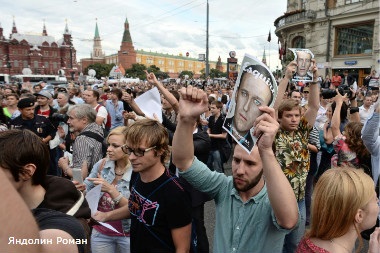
(93, 135)
(97, 108)
(76, 206)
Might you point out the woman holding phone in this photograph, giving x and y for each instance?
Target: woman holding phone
(114, 174)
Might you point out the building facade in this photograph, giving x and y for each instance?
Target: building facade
(127, 55)
(342, 34)
(42, 54)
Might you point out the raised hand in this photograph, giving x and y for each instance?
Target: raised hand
(266, 127)
(290, 69)
(193, 102)
(151, 77)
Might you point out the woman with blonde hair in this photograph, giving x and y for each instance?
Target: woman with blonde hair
(344, 204)
(114, 173)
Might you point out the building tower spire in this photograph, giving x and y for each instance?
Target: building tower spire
(126, 36)
(44, 32)
(97, 51)
(66, 31)
(14, 29)
(264, 60)
(127, 53)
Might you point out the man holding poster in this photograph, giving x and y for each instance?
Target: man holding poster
(256, 87)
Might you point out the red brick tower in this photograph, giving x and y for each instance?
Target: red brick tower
(127, 53)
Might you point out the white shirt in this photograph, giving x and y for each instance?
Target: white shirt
(102, 112)
(364, 113)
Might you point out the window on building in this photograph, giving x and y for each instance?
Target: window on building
(1, 63)
(354, 39)
(15, 64)
(303, 4)
(46, 64)
(149, 60)
(190, 65)
(55, 66)
(171, 63)
(180, 64)
(25, 64)
(35, 64)
(299, 42)
(352, 1)
(138, 59)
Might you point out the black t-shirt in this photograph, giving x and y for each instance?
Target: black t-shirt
(156, 208)
(216, 127)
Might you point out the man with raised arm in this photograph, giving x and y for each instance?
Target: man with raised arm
(252, 214)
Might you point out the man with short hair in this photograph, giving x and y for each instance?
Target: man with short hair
(217, 135)
(366, 109)
(24, 158)
(88, 144)
(296, 95)
(39, 125)
(304, 62)
(74, 94)
(305, 96)
(91, 97)
(291, 145)
(250, 214)
(43, 107)
(160, 209)
(115, 108)
(37, 88)
(11, 110)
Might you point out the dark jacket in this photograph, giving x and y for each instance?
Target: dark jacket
(61, 195)
(52, 111)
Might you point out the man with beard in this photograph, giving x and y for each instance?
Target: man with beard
(252, 215)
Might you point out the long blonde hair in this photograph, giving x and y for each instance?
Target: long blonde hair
(338, 195)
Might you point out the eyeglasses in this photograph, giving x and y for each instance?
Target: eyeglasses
(138, 152)
(306, 92)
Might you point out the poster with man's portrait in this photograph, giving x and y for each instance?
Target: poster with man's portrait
(303, 57)
(255, 87)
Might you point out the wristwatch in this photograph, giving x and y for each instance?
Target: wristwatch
(117, 199)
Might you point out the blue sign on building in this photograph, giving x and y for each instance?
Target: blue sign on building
(351, 62)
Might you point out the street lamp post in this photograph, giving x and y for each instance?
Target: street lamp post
(207, 72)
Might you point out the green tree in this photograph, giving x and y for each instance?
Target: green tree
(157, 72)
(214, 73)
(186, 72)
(136, 71)
(102, 70)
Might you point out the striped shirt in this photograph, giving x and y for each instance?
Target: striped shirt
(86, 148)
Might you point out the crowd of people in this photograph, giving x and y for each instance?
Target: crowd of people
(309, 181)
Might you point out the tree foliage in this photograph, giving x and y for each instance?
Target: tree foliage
(102, 70)
(214, 73)
(186, 72)
(137, 71)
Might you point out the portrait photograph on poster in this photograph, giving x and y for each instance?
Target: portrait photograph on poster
(303, 57)
(255, 87)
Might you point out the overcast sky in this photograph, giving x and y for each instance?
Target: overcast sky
(165, 26)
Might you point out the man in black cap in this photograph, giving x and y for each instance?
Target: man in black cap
(39, 125)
